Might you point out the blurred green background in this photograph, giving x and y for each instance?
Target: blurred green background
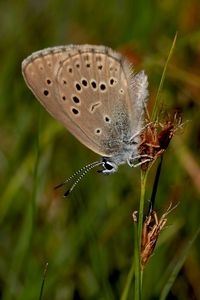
(87, 238)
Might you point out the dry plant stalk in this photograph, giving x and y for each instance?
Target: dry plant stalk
(156, 136)
(152, 227)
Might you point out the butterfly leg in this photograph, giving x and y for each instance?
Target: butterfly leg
(138, 133)
(131, 162)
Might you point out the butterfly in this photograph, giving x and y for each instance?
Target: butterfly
(94, 93)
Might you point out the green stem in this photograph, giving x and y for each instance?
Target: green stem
(138, 236)
(136, 265)
(43, 281)
(157, 100)
(128, 283)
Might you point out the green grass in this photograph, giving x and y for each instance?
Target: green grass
(87, 239)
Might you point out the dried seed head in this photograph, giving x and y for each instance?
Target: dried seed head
(152, 227)
(156, 136)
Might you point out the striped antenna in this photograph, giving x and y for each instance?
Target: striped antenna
(81, 172)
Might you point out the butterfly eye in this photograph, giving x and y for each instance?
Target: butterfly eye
(109, 167)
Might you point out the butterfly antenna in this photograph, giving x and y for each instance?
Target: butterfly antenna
(84, 171)
(88, 167)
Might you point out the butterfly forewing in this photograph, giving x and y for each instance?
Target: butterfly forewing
(39, 71)
(88, 89)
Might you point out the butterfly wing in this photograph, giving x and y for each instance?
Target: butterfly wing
(91, 91)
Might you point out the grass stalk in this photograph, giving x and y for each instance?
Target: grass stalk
(136, 264)
(138, 235)
(157, 99)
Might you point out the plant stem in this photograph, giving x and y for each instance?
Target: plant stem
(157, 100)
(155, 186)
(128, 283)
(138, 235)
(136, 265)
